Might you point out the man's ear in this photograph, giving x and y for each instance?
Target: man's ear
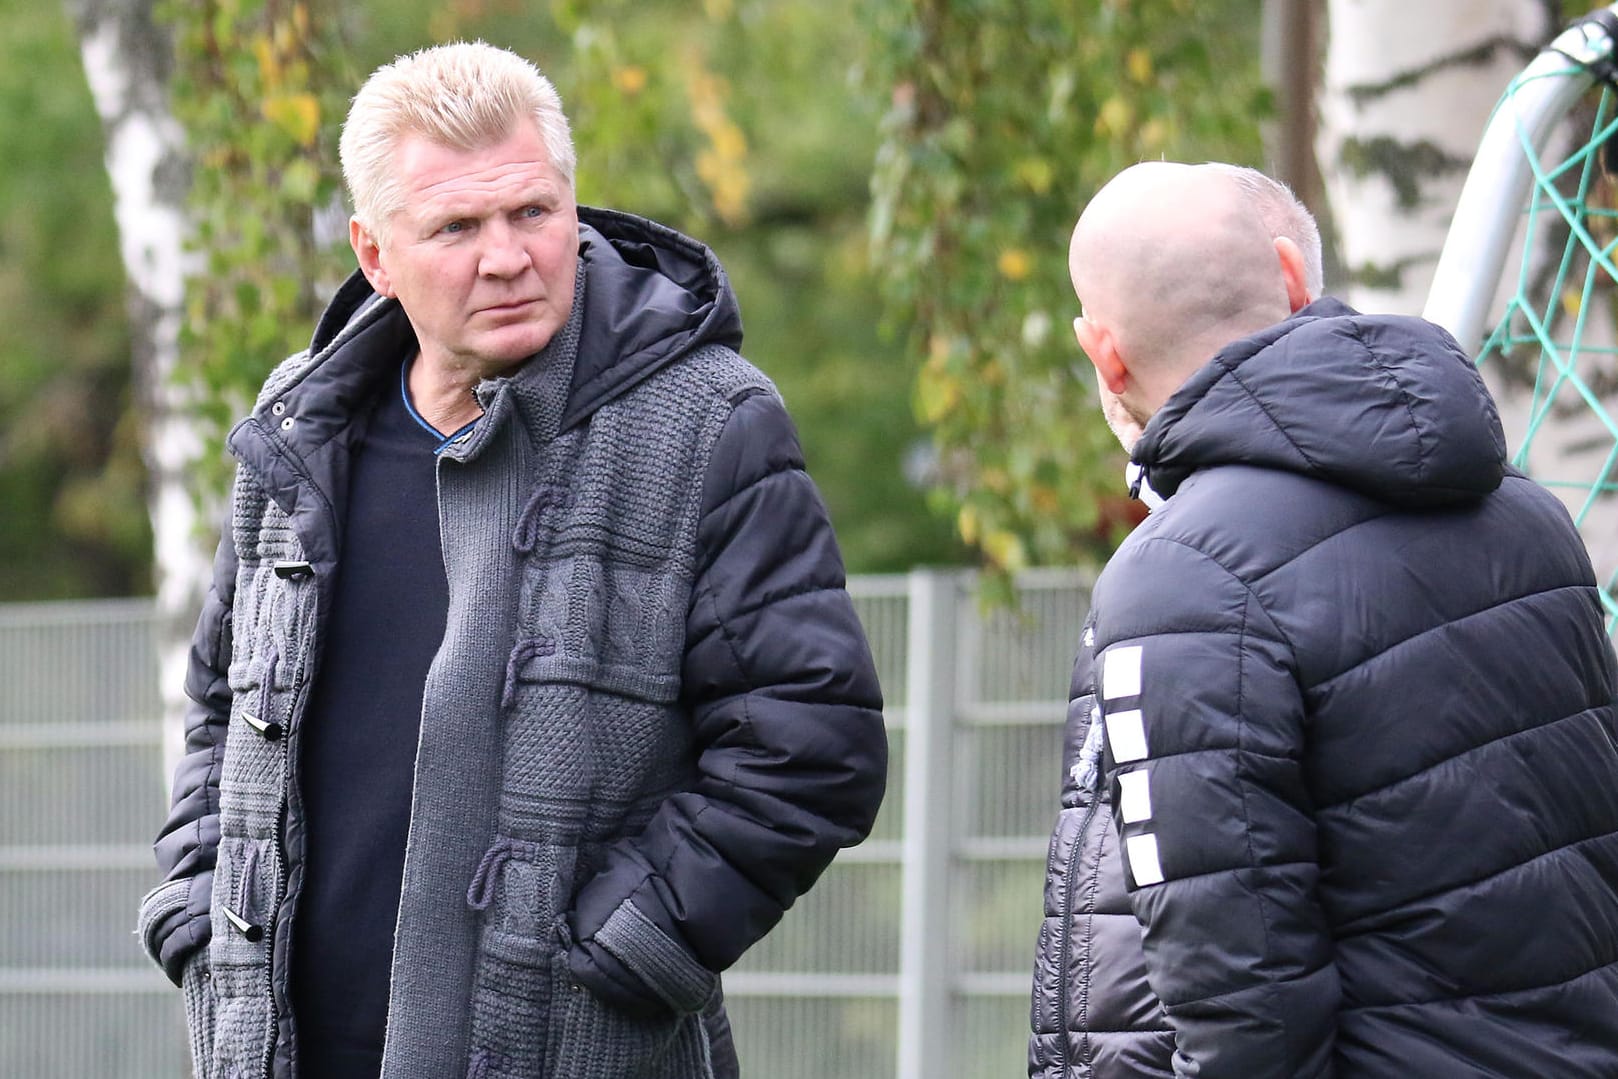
(369, 255)
(1101, 346)
(1293, 273)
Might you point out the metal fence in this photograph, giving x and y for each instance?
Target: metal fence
(909, 959)
(81, 789)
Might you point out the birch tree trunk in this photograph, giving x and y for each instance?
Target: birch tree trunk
(1407, 90)
(127, 60)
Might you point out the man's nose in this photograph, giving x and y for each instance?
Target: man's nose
(503, 253)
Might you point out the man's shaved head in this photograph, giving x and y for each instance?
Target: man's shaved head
(1171, 262)
(1167, 252)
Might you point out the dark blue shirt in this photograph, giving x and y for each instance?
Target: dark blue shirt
(357, 747)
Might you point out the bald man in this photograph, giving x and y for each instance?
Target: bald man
(1344, 703)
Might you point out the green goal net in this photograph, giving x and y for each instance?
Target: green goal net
(1527, 279)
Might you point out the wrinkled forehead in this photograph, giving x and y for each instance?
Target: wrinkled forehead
(430, 170)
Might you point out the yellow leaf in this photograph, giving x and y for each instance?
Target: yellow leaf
(629, 80)
(1154, 135)
(1015, 264)
(938, 393)
(729, 142)
(1036, 174)
(1005, 549)
(1572, 302)
(1113, 118)
(1044, 499)
(269, 68)
(296, 114)
(969, 523)
(995, 479)
(730, 196)
(285, 37)
(1139, 63)
(706, 92)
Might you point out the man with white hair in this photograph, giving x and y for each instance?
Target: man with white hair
(1347, 690)
(528, 694)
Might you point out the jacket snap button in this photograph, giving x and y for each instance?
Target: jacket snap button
(286, 424)
(279, 408)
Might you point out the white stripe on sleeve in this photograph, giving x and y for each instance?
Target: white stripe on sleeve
(1135, 796)
(1126, 736)
(1144, 867)
(1121, 675)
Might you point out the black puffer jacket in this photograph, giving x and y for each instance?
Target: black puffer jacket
(1093, 1015)
(1360, 726)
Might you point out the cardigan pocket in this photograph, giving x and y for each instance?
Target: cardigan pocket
(241, 1027)
(593, 1040)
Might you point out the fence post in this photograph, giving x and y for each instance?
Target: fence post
(925, 978)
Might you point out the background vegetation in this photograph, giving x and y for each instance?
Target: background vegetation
(890, 183)
(70, 471)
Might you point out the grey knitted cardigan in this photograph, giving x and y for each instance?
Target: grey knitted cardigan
(587, 849)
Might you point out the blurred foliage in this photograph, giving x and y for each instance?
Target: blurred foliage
(744, 123)
(741, 123)
(1572, 9)
(260, 87)
(71, 477)
(750, 124)
(1004, 116)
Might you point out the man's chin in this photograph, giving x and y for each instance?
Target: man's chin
(509, 349)
(1124, 426)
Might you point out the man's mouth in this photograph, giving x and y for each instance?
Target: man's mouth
(507, 307)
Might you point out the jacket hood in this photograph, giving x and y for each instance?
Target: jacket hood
(651, 296)
(1389, 406)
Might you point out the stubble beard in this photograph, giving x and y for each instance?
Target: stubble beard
(1126, 424)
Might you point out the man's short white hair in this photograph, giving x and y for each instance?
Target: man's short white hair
(466, 96)
(1283, 215)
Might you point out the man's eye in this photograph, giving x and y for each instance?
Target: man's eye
(454, 227)
(533, 211)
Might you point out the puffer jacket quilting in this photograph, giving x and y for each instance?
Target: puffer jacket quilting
(1355, 676)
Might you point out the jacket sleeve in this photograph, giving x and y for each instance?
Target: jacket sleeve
(174, 916)
(787, 718)
(1204, 727)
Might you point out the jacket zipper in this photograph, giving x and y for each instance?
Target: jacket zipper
(294, 716)
(1066, 929)
(269, 938)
